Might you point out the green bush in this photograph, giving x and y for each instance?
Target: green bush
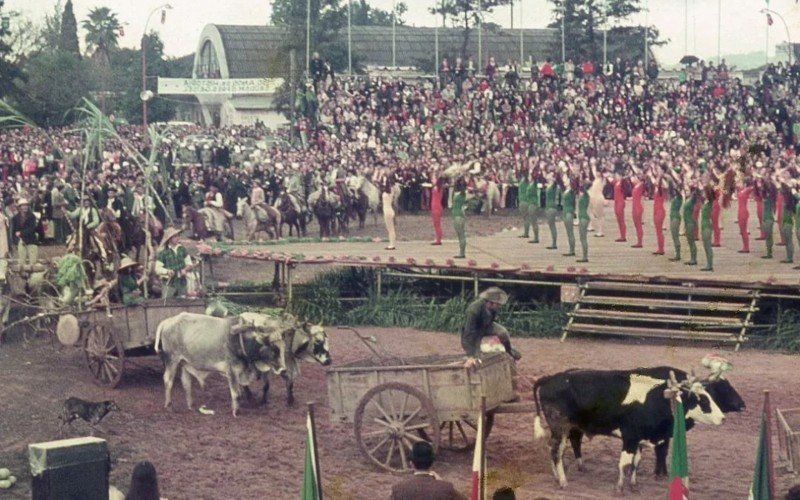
(784, 335)
(404, 308)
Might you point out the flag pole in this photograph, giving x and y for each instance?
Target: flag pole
(314, 447)
(308, 36)
(482, 437)
(770, 466)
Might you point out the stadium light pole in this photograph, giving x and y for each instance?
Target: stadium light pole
(144, 96)
(785, 26)
(308, 37)
(521, 37)
(685, 27)
(394, 34)
(480, 35)
(719, 31)
(646, 22)
(349, 37)
(436, 46)
(563, 40)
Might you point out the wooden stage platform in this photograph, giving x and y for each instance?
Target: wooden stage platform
(506, 253)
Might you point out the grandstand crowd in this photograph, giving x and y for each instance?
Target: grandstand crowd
(554, 143)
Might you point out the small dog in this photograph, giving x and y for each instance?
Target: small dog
(90, 412)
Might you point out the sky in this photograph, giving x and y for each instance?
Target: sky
(744, 29)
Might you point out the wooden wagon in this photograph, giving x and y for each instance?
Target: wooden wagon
(109, 336)
(429, 398)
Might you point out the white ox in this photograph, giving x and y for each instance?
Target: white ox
(202, 345)
(304, 342)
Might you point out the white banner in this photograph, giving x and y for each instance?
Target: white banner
(182, 86)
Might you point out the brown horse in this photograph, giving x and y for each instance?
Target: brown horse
(292, 216)
(194, 220)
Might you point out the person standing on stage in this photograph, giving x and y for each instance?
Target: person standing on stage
(551, 207)
(459, 219)
(619, 207)
(787, 222)
(658, 209)
(675, 205)
(707, 227)
(637, 193)
(387, 200)
(767, 193)
(583, 221)
(690, 224)
(568, 214)
(534, 201)
(522, 196)
(436, 209)
(743, 214)
(596, 200)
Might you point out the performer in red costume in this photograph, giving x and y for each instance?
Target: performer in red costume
(638, 209)
(436, 209)
(760, 209)
(716, 209)
(619, 207)
(742, 198)
(658, 210)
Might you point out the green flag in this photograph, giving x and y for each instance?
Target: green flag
(759, 489)
(679, 471)
(311, 486)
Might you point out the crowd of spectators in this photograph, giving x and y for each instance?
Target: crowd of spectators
(569, 123)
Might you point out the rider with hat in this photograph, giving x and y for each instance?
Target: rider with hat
(480, 323)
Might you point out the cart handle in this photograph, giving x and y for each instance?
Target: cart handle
(368, 341)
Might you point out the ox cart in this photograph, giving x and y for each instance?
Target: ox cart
(393, 403)
(109, 336)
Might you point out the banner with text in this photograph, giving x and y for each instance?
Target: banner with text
(181, 86)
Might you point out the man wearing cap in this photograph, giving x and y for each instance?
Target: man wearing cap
(480, 322)
(174, 263)
(24, 226)
(424, 483)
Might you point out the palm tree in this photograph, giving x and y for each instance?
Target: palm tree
(102, 33)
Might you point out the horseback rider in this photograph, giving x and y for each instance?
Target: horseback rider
(215, 203)
(88, 218)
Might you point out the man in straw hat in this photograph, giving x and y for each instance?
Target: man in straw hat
(424, 483)
(480, 322)
(129, 285)
(173, 263)
(24, 229)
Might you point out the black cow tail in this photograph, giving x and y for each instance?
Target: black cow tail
(538, 429)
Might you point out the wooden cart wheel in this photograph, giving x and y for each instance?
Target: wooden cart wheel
(459, 435)
(105, 356)
(389, 419)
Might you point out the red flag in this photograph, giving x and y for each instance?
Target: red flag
(769, 19)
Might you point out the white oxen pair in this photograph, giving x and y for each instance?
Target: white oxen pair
(304, 342)
(202, 345)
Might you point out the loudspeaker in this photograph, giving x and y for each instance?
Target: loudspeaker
(69, 469)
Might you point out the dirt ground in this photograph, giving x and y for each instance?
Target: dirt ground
(260, 453)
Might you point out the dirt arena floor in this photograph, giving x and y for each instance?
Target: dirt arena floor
(260, 453)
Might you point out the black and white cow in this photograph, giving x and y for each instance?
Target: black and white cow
(305, 342)
(620, 403)
(201, 345)
(720, 390)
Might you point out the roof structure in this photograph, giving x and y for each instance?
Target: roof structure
(245, 49)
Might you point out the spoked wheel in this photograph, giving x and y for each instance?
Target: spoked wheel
(390, 418)
(459, 435)
(105, 356)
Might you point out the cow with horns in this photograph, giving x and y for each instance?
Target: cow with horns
(628, 404)
(304, 342)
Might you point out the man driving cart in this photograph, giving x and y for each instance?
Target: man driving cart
(480, 323)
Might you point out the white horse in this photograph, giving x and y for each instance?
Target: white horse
(255, 223)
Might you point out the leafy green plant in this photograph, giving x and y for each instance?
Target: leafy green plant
(784, 335)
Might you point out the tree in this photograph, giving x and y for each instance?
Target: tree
(56, 83)
(327, 19)
(583, 19)
(9, 71)
(366, 15)
(466, 14)
(50, 31)
(69, 31)
(102, 33)
(126, 81)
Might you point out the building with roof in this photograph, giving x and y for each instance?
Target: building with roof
(236, 51)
